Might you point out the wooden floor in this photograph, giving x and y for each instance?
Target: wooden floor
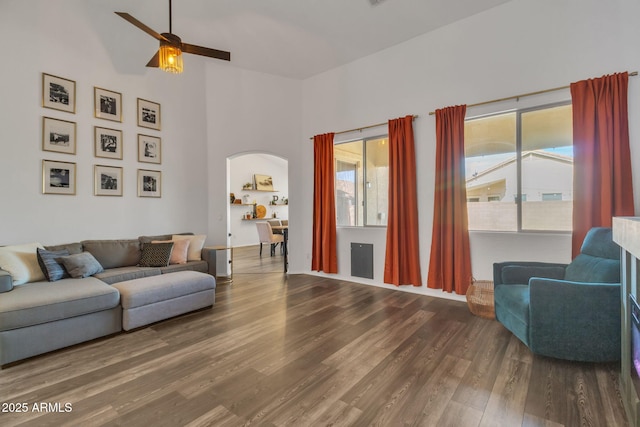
(299, 350)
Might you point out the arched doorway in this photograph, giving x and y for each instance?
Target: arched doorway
(242, 231)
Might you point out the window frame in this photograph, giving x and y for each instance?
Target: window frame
(363, 162)
(518, 198)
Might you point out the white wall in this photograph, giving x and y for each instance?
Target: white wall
(518, 47)
(74, 40)
(247, 112)
(241, 171)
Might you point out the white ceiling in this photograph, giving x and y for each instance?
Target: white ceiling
(292, 38)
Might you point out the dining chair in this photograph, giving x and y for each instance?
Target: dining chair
(275, 223)
(266, 236)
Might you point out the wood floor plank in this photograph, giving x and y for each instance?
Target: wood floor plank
(299, 350)
(508, 396)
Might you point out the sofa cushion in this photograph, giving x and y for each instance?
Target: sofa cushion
(114, 253)
(51, 265)
(21, 262)
(201, 266)
(150, 290)
(148, 239)
(196, 243)
(73, 248)
(180, 250)
(121, 274)
(42, 302)
(156, 254)
(81, 265)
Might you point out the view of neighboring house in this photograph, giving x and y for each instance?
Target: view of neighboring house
(546, 194)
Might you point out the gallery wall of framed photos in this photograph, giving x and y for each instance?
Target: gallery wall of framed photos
(107, 141)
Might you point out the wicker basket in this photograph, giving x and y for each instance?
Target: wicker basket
(480, 299)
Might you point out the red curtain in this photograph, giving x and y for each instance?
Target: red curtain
(402, 256)
(602, 186)
(450, 261)
(324, 252)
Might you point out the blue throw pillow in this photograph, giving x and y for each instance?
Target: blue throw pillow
(50, 264)
(81, 265)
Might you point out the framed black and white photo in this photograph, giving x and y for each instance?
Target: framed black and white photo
(148, 114)
(107, 180)
(58, 93)
(108, 143)
(58, 136)
(107, 104)
(149, 149)
(149, 183)
(58, 177)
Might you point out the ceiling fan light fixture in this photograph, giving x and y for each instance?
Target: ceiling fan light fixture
(170, 54)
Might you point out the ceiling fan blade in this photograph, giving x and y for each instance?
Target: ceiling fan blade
(155, 61)
(205, 51)
(140, 25)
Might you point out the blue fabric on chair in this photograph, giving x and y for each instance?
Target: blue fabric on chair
(572, 316)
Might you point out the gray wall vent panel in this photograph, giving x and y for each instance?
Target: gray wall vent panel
(362, 260)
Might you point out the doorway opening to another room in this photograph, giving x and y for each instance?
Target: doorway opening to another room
(258, 185)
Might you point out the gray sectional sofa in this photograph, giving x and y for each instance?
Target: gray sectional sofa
(42, 316)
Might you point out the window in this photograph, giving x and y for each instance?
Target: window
(519, 170)
(362, 182)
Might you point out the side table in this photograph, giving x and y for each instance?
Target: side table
(222, 280)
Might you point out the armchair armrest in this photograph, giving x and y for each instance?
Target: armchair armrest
(519, 273)
(575, 320)
(6, 281)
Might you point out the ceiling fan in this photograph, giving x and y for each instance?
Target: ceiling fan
(169, 56)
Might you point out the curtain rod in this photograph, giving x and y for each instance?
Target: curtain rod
(431, 113)
(364, 127)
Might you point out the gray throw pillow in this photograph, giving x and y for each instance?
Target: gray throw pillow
(156, 254)
(51, 265)
(81, 265)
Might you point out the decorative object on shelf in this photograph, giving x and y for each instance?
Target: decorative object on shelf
(149, 149)
(107, 143)
(247, 186)
(58, 93)
(285, 201)
(246, 199)
(107, 104)
(237, 202)
(261, 211)
(107, 180)
(263, 182)
(232, 197)
(149, 183)
(58, 135)
(274, 200)
(58, 177)
(148, 114)
(247, 215)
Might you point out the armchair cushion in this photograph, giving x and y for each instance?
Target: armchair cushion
(587, 268)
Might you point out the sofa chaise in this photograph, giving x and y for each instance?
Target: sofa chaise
(41, 315)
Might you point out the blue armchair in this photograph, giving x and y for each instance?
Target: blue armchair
(565, 311)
